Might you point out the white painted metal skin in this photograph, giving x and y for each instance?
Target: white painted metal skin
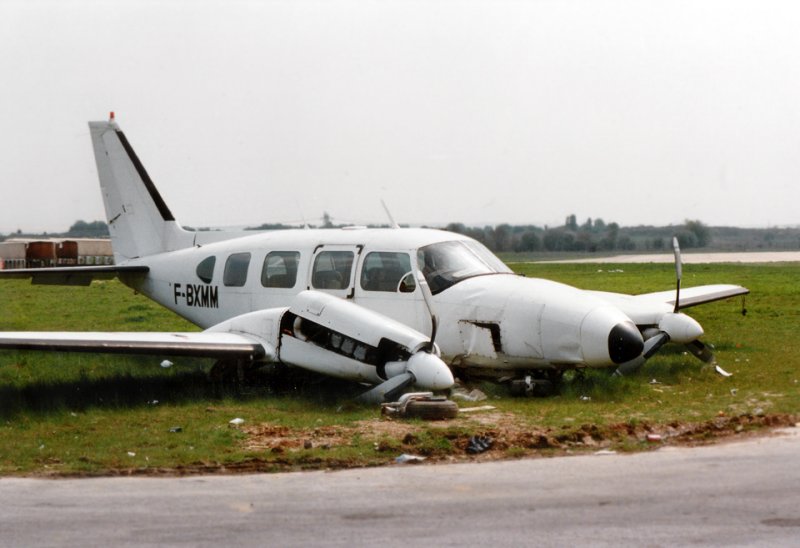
(489, 318)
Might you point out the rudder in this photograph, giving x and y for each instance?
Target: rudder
(139, 221)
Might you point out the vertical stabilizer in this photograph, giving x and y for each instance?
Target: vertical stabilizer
(138, 219)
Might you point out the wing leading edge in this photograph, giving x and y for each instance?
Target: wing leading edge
(648, 307)
(693, 296)
(206, 344)
(72, 275)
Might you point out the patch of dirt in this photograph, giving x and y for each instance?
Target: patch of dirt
(510, 437)
(281, 448)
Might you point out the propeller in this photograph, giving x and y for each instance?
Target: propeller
(424, 368)
(703, 353)
(674, 326)
(651, 346)
(676, 250)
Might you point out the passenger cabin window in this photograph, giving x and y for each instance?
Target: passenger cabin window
(332, 270)
(236, 270)
(384, 271)
(280, 269)
(205, 270)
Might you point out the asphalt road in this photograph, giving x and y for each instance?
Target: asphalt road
(743, 493)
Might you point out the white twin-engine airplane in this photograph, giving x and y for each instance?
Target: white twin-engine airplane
(356, 303)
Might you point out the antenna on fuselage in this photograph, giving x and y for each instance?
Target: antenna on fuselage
(302, 215)
(392, 222)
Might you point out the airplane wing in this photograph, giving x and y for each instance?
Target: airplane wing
(693, 296)
(71, 275)
(206, 344)
(648, 308)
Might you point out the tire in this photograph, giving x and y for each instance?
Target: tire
(432, 410)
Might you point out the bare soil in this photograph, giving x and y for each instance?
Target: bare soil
(280, 448)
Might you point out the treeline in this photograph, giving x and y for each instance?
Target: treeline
(590, 236)
(79, 229)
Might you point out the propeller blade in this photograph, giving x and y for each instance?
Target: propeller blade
(428, 297)
(651, 346)
(676, 249)
(700, 351)
(388, 390)
(721, 371)
(704, 353)
(630, 367)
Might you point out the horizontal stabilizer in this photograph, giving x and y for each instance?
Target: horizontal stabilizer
(204, 345)
(71, 275)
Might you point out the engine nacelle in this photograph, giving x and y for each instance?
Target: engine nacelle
(680, 327)
(336, 337)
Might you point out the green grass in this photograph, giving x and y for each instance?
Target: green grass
(97, 414)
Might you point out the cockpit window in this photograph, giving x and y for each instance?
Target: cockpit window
(280, 269)
(205, 270)
(383, 270)
(447, 263)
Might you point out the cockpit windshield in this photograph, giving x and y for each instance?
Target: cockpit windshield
(447, 263)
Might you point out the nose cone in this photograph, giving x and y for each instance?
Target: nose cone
(624, 342)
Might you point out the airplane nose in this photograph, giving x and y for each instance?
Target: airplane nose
(624, 342)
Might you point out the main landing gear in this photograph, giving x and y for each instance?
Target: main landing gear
(537, 384)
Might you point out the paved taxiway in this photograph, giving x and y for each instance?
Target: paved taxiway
(695, 258)
(733, 494)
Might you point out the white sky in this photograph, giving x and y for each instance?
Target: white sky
(481, 112)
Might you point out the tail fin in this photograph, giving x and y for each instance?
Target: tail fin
(139, 220)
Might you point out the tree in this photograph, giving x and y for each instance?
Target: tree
(529, 241)
(458, 228)
(558, 240)
(572, 222)
(502, 237)
(82, 229)
(702, 234)
(686, 239)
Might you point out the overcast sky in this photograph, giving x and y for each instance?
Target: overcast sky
(481, 112)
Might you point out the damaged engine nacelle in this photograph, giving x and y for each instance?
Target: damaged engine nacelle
(336, 337)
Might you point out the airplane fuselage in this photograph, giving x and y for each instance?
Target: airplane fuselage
(489, 318)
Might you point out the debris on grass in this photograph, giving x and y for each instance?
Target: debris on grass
(479, 444)
(476, 409)
(473, 395)
(236, 422)
(405, 458)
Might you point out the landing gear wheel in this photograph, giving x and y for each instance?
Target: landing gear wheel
(432, 410)
(534, 387)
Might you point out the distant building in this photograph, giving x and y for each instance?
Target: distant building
(47, 253)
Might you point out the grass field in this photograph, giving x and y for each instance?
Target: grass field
(96, 414)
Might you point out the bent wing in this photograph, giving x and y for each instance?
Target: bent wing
(72, 275)
(206, 344)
